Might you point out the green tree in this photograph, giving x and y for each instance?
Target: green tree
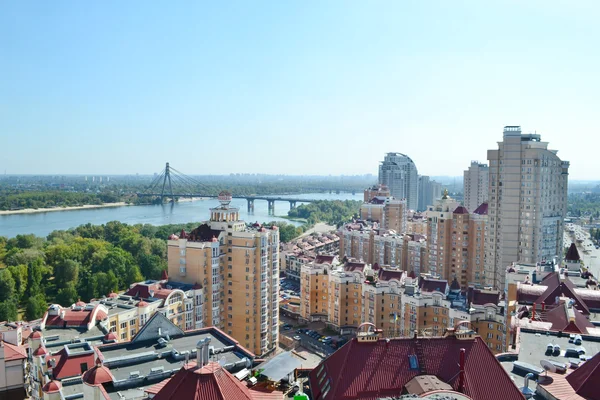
(7, 285)
(67, 295)
(66, 273)
(36, 307)
(35, 273)
(8, 311)
(106, 283)
(19, 274)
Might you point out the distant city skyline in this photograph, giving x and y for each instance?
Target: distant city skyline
(293, 88)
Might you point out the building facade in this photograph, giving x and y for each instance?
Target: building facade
(475, 185)
(238, 267)
(428, 191)
(527, 203)
(399, 174)
(456, 245)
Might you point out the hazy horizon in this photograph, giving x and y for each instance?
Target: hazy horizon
(292, 87)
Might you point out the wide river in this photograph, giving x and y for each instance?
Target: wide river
(42, 223)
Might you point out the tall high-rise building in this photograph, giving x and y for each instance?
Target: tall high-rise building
(527, 203)
(475, 185)
(399, 173)
(428, 192)
(238, 267)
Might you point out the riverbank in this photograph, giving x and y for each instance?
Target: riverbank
(43, 210)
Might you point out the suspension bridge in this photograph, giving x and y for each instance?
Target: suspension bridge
(173, 184)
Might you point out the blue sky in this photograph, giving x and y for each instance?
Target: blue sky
(294, 87)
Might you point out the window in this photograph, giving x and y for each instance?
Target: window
(124, 325)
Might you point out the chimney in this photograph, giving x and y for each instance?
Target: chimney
(206, 350)
(202, 352)
(461, 377)
(543, 306)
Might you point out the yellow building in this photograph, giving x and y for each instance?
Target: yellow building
(238, 267)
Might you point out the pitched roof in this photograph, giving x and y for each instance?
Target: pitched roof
(572, 254)
(150, 329)
(210, 382)
(432, 285)
(371, 370)
(483, 297)
(322, 259)
(565, 320)
(585, 380)
(557, 287)
(482, 209)
(142, 291)
(461, 210)
(203, 233)
(12, 352)
(70, 365)
(389, 274)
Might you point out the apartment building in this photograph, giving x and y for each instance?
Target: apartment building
(475, 185)
(399, 173)
(527, 203)
(376, 191)
(489, 318)
(365, 242)
(414, 253)
(429, 190)
(456, 246)
(390, 213)
(439, 235)
(237, 264)
(417, 223)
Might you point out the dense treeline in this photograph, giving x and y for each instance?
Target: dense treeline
(15, 195)
(584, 205)
(82, 263)
(332, 212)
(15, 200)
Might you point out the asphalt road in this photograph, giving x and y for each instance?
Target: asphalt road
(591, 260)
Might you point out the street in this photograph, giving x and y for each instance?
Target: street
(587, 251)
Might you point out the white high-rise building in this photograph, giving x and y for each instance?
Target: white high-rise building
(399, 173)
(475, 185)
(527, 203)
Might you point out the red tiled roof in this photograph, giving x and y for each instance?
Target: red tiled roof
(388, 274)
(432, 285)
(67, 366)
(210, 382)
(322, 259)
(482, 297)
(558, 387)
(371, 370)
(354, 266)
(52, 387)
(585, 380)
(12, 352)
(572, 254)
(98, 375)
(40, 351)
(563, 288)
(162, 293)
(559, 318)
(142, 291)
(72, 318)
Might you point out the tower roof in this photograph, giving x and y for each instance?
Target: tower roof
(98, 375)
(572, 254)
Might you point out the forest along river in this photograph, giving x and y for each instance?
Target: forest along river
(42, 223)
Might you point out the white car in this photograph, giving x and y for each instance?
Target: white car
(296, 337)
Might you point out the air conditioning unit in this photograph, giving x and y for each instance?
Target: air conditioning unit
(134, 374)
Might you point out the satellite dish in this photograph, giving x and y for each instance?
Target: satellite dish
(222, 361)
(548, 366)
